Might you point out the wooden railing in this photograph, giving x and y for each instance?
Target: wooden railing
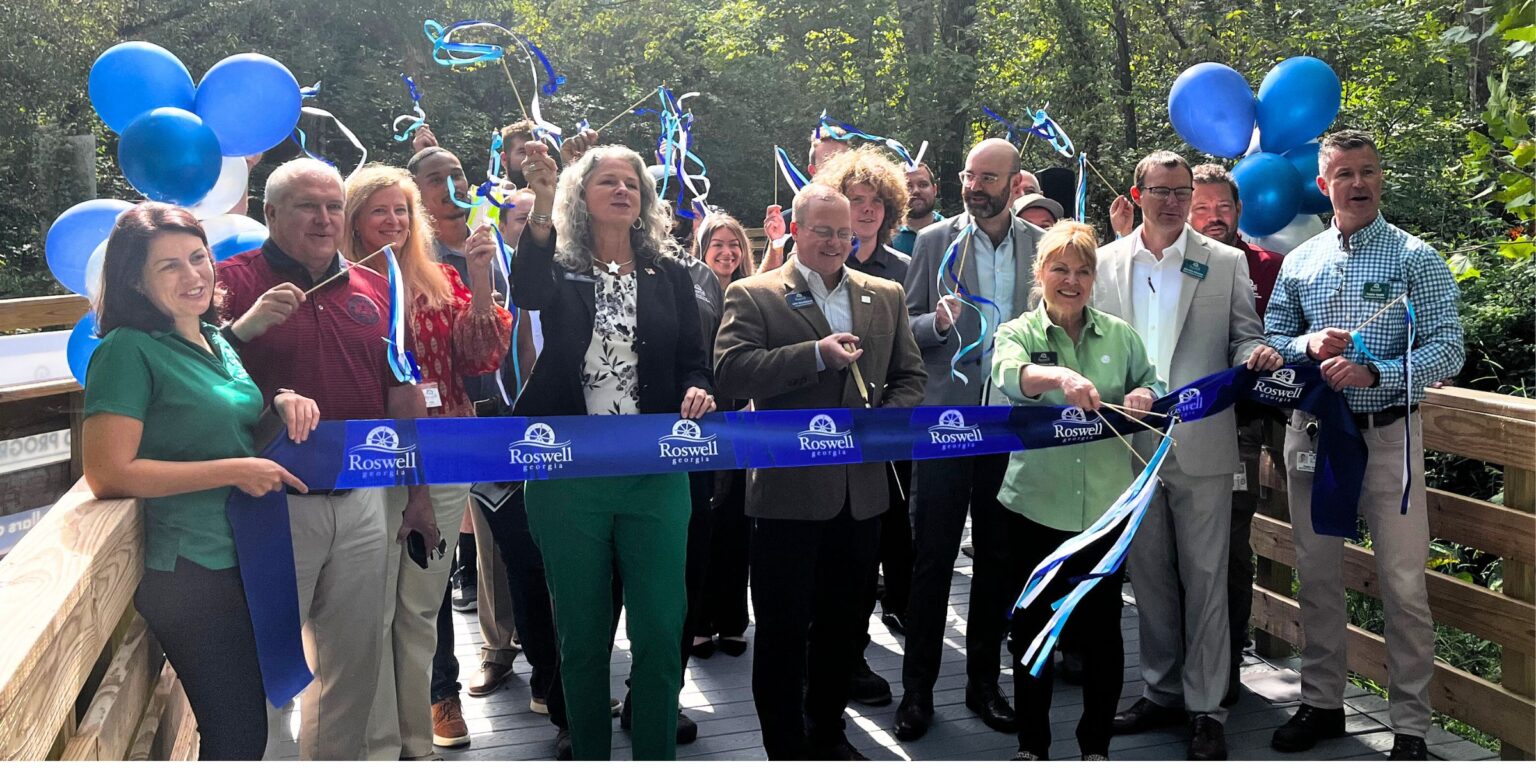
(44, 406)
(1496, 429)
(80, 675)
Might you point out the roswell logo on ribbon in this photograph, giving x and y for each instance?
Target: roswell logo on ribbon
(1280, 387)
(375, 453)
(688, 444)
(823, 439)
(1075, 426)
(539, 450)
(1190, 406)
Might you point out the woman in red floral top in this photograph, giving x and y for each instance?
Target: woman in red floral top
(453, 333)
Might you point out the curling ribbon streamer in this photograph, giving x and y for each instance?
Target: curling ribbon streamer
(791, 174)
(401, 362)
(1358, 339)
(414, 121)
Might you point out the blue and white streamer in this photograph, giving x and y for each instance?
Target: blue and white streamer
(950, 268)
(1082, 186)
(401, 362)
(1359, 341)
(792, 175)
(841, 131)
(418, 116)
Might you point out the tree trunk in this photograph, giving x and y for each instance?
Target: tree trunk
(1123, 69)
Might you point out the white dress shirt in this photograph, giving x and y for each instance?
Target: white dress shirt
(833, 302)
(1155, 288)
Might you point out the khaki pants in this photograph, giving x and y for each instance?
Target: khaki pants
(401, 721)
(493, 604)
(1400, 543)
(1182, 547)
(339, 558)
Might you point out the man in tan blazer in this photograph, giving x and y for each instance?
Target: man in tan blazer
(1190, 299)
(797, 337)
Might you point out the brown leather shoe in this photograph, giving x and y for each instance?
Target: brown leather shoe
(448, 728)
(488, 678)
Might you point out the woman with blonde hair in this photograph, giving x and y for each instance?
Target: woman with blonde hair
(723, 245)
(1065, 352)
(453, 332)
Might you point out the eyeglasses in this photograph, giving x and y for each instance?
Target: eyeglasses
(987, 179)
(828, 233)
(1162, 193)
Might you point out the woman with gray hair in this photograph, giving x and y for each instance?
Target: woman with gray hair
(621, 336)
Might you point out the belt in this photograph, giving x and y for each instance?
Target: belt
(1382, 417)
(333, 492)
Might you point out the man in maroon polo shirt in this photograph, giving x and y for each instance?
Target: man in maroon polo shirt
(330, 346)
(1214, 210)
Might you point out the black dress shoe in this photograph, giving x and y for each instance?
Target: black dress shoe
(1209, 741)
(897, 625)
(1307, 727)
(732, 646)
(702, 650)
(914, 716)
(687, 729)
(1408, 748)
(1145, 716)
(563, 744)
(988, 702)
(868, 687)
(837, 749)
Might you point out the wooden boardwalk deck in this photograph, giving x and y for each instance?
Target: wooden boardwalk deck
(718, 695)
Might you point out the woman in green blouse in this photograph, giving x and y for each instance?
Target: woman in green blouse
(169, 415)
(1064, 352)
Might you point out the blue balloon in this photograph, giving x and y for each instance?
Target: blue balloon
(250, 101)
(170, 155)
(1211, 106)
(1304, 157)
(1298, 100)
(1270, 190)
(82, 343)
(130, 79)
(238, 244)
(75, 234)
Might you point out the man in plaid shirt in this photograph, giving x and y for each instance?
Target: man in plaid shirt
(1329, 287)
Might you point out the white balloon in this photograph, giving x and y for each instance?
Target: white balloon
(226, 225)
(234, 175)
(1253, 145)
(93, 270)
(1301, 229)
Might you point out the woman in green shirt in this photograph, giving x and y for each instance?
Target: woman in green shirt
(1064, 352)
(169, 418)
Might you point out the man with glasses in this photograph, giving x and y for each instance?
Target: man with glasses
(994, 258)
(814, 334)
(1190, 299)
(1329, 286)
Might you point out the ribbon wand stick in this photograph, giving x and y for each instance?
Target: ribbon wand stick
(520, 106)
(332, 278)
(626, 111)
(1379, 312)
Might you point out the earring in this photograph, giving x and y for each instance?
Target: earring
(637, 226)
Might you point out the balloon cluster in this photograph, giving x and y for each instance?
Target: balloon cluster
(1213, 108)
(179, 143)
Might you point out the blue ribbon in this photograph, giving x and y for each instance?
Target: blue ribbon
(401, 362)
(451, 53)
(1043, 126)
(948, 267)
(1082, 186)
(674, 151)
(845, 132)
(795, 178)
(265, 549)
(418, 119)
(356, 454)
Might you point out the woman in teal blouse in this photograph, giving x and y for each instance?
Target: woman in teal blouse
(169, 415)
(1064, 352)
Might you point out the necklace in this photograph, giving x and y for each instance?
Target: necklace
(615, 266)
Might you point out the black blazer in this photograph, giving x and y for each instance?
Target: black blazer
(670, 346)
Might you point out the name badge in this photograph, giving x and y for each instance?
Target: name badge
(576, 278)
(1375, 291)
(1043, 358)
(430, 393)
(1240, 480)
(799, 300)
(1194, 269)
(1306, 461)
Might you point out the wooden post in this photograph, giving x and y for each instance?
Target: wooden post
(1270, 574)
(1519, 664)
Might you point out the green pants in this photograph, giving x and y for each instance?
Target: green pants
(583, 528)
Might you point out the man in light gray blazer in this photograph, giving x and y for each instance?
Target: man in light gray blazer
(1191, 300)
(993, 259)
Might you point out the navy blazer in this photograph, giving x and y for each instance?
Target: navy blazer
(670, 345)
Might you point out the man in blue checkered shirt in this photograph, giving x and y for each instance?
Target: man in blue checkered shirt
(1328, 287)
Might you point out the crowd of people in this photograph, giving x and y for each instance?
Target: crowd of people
(852, 304)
